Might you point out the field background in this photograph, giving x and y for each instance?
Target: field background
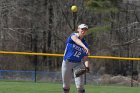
(42, 26)
(31, 87)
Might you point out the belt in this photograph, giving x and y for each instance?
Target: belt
(72, 61)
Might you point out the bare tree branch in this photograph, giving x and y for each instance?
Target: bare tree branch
(128, 42)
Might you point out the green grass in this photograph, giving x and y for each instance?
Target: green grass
(31, 87)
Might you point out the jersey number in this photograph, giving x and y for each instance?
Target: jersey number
(77, 54)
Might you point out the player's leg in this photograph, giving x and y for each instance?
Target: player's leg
(66, 75)
(79, 81)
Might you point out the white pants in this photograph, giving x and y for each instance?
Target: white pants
(67, 74)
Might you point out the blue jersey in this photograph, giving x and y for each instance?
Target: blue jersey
(74, 52)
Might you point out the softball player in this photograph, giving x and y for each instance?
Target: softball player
(76, 50)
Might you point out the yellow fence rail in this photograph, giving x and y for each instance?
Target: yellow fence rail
(61, 55)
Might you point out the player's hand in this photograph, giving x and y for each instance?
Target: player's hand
(87, 50)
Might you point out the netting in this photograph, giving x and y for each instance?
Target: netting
(30, 75)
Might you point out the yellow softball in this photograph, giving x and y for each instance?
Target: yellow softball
(74, 8)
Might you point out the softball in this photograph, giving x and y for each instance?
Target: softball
(74, 8)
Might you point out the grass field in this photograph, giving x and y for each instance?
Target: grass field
(31, 87)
